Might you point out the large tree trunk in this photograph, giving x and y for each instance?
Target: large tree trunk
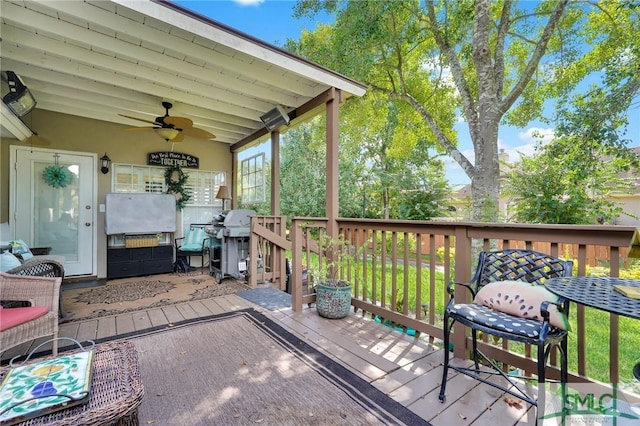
(485, 191)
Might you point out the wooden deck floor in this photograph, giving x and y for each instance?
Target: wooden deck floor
(406, 368)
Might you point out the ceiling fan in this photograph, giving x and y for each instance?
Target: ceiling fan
(171, 129)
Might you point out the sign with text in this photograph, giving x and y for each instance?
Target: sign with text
(168, 159)
(581, 404)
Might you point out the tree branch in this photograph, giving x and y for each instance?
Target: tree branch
(468, 103)
(442, 139)
(503, 30)
(538, 52)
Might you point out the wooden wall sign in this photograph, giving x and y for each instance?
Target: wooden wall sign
(167, 159)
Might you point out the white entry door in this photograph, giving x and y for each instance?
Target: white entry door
(53, 204)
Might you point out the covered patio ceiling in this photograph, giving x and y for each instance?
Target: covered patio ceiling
(98, 59)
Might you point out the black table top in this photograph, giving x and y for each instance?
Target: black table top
(597, 292)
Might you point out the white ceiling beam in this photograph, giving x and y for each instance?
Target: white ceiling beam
(110, 77)
(12, 124)
(252, 48)
(120, 24)
(150, 73)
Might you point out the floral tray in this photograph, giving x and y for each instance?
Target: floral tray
(42, 387)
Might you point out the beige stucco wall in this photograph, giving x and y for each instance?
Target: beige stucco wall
(70, 133)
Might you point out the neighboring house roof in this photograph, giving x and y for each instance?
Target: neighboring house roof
(463, 192)
(98, 59)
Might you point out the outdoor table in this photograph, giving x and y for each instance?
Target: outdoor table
(598, 292)
(116, 390)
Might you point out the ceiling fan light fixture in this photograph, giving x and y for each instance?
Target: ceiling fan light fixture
(19, 99)
(167, 133)
(275, 118)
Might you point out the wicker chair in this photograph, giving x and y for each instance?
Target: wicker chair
(39, 291)
(39, 267)
(508, 265)
(43, 267)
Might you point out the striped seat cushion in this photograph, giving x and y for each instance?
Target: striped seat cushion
(193, 240)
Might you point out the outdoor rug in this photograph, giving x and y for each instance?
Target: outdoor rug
(147, 292)
(241, 368)
(268, 297)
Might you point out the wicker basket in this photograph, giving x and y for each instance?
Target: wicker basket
(133, 241)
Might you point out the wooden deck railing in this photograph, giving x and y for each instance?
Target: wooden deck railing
(269, 245)
(401, 278)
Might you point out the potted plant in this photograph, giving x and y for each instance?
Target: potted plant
(333, 294)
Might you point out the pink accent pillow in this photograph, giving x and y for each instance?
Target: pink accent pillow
(12, 317)
(521, 299)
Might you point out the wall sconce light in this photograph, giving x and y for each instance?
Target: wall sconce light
(223, 194)
(275, 118)
(105, 161)
(19, 99)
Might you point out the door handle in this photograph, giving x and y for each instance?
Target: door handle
(87, 224)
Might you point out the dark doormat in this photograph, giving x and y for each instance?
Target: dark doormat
(267, 297)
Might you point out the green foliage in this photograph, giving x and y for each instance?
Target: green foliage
(568, 181)
(428, 63)
(452, 255)
(174, 179)
(336, 256)
(612, 30)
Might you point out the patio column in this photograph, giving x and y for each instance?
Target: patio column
(275, 173)
(332, 185)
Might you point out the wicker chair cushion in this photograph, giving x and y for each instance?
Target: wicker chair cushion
(8, 261)
(15, 316)
(523, 300)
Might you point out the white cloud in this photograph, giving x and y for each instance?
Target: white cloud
(249, 2)
(532, 137)
(535, 135)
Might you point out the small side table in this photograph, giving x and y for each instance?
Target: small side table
(116, 391)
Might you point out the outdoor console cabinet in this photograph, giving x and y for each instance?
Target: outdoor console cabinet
(139, 255)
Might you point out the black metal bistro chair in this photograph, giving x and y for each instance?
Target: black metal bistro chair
(194, 243)
(510, 302)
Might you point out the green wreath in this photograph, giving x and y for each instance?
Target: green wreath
(56, 176)
(175, 179)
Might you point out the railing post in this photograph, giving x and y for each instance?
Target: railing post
(296, 267)
(463, 247)
(253, 256)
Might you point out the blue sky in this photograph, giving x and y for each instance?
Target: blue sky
(272, 21)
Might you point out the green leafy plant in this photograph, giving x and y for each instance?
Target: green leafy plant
(336, 256)
(175, 179)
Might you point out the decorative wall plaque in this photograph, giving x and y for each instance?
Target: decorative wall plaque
(167, 159)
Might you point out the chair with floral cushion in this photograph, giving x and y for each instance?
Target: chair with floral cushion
(40, 319)
(509, 301)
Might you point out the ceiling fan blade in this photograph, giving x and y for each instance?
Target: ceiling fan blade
(139, 119)
(179, 122)
(198, 133)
